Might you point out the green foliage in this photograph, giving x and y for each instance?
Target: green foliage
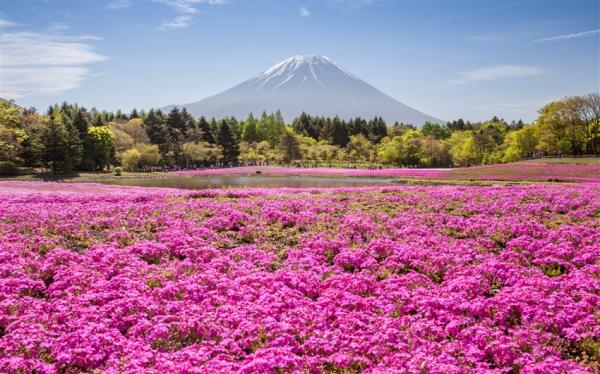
(9, 114)
(360, 149)
(202, 153)
(69, 137)
(131, 160)
(270, 128)
(227, 142)
(439, 132)
(463, 149)
(289, 147)
(54, 139)
(98, 146)
(118, 171)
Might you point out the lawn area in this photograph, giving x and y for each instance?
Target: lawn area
(567, 160)
(434, 279)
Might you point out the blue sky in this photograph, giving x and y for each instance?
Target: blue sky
(448, 58)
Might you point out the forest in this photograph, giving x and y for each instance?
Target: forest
(69, 138)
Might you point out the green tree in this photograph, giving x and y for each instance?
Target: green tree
(196, 154)
(131, 159)
(228, 143)
(249, 133)
(54, 139)
(339, 133)
(149, 155)
(518, 144)
(391, 150)
(359, 149)
(98, 147)
(270, 128)
(434, 153)
(206, 131)
(73, 147)
(436, 130)
(9, 114)
(289, 147)
(377, 129)
(463, 149)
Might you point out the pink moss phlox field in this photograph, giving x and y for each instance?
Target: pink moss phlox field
(528, 171)
(500, 279)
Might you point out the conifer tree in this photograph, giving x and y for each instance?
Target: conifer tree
(53, 139)
(204, 127)
(228, 142)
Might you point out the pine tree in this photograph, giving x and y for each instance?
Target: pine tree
(228, 142)
(249, 130)
(289, 147)
(204, 127)
(73, 147)
(54, 138)
(339, 134)
(377, 129)
(155, 126)
(81, 122)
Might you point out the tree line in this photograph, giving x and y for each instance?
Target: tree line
(69, 137)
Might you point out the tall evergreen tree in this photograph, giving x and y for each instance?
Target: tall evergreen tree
(339, 134)
(81, 121)
(249, 130)
(377, 129)
(73, 147)
(289, 147)
(53, 139)
(155, 125)
(206, 132)
(228, 142)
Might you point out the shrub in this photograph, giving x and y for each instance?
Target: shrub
(8, 168)
(118, 171)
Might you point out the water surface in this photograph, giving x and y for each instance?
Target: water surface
(198, 182)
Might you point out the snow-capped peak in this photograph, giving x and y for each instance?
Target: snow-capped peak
(300, 71)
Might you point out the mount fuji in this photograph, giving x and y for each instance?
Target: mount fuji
(306, 83)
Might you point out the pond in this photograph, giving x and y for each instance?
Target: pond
(198, 182)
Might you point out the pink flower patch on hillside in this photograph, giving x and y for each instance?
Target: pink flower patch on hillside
(402, 279)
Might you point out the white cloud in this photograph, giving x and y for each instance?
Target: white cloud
(4, 23)
(43, 63)
(568, 36)
(189, 6)
(497, 72)
(119, 4)
(19, 82)
(303, 11)
(176, 23)
(186, 8)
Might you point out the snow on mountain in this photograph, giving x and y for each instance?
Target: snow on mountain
(311, 84)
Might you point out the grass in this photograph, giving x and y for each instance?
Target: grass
(566, 160)
(84, 176)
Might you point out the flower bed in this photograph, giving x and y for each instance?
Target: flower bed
(528, 171)
(381, 279)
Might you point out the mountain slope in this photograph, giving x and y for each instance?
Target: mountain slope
(312, 84)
